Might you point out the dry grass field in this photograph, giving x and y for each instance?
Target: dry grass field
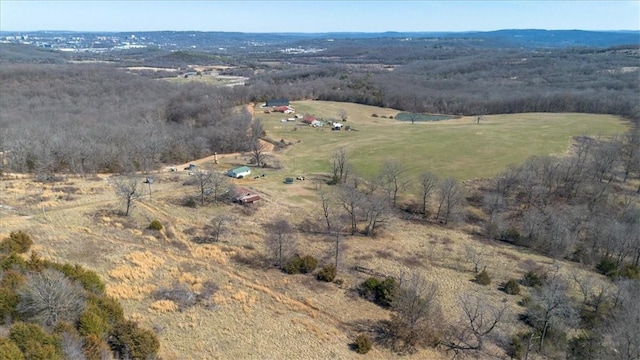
(266, 314)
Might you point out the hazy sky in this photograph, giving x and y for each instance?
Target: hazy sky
(318, 16)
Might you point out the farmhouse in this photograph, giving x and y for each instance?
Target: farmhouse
(245, 196)
(239, 172)
(308, 119)
(277, 102)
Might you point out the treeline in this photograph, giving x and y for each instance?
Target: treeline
(87, 119)
(476, 82)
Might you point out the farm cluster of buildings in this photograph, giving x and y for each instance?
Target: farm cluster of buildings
(283, 106)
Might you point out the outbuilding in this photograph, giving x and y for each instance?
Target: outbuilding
(245, 196)
(239, 172)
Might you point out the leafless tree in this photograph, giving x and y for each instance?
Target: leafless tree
(351, 200)
(218, 185)
(477, 257)
(551, 305)
(622, 325)
(129, 190)
(450, 199)
(376, 211)
(417, 315)
(392, 173)
(479, 319)
(49, 297)
(427, 183)
(202, 182)
(280, 240)
(341, 167)
(342, 114)
(220, 225)
(258, 152)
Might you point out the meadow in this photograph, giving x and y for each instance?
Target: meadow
(459, 148)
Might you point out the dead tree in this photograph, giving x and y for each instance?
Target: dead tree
(127, 189)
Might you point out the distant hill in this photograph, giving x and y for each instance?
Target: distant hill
(19, 53)
(190, 47)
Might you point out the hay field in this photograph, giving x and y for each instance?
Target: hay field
(261, 313)
(459, 148)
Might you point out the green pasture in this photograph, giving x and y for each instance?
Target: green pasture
(460, 148)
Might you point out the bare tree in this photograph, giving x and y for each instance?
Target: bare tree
(129, 190)
(202, 182)
(351, 200)
(417, 314)
(450, 199)
(220, 226)
(49, 297)
(622, 326)
(427, 182)
(341, 167)
(218, 185)
(550, 305)
(280, 240)
(258, 152)
(376, 211)
(479, 319)
(477, 257)
(342, 114)
(392, 174)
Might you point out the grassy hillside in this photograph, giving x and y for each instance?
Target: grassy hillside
(258, 312)
(459, 148)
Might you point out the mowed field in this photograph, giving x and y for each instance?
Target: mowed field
(258, 312)
(458, 148)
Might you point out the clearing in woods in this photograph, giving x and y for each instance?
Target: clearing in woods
(458, 148)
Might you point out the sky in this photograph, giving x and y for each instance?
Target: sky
(317, 16)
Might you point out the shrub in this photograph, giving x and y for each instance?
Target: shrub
(335, 180)
(515, 349)
(129, 340)
(12, 260)
(155, 225)
(292, 265)
(18, 242)
(89, 280)
(511, 287)
(512, 235)
(607, 266)
(9, 350)
(93, 322)
(483, 278)
(300, 265)
(191, 202)
(327, 273)
(362, 344)
(375, 115)
(368, 288)
(308, 264)
(96, 349)
(532, 279)
(34, 342)
(380, 292)
(630, 272)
